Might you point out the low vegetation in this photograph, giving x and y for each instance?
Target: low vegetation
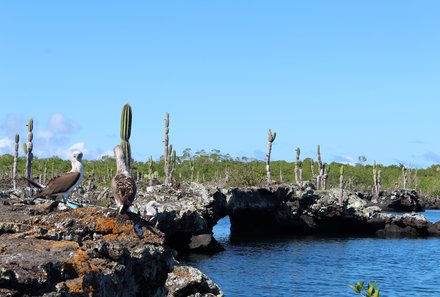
(367, 291)
(223, 170)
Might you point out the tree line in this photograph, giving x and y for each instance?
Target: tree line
(223, 170)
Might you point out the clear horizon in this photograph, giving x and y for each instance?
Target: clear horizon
(356, 78)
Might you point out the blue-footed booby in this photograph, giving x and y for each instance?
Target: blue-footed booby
(123, 185)
(151, 214)
(63, 185)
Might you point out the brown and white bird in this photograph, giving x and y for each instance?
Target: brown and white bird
(151, 212)
(61, 186)
(123, 185)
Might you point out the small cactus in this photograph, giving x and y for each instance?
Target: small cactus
(126, 118)
(270, 139)
(167, 150)
(192, 165)
(29, 147)
(341, 185)
(376, 180)
(14, 169)
(45, 173)
(150, 170)
(172, 161)
(325, 176)
(298, 168)
(404, 176)
(322, 174)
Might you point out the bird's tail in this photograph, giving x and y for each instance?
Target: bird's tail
(34, 183)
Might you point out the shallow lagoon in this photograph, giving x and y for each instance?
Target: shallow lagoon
(322, 266)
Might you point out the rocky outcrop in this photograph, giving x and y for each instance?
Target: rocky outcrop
(186, 215)
(399, 200)
(50, 250)
(430, 202)
(186, 281)
(287, 210)
(411, 225)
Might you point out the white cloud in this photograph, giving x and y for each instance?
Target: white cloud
(58, 123)
(67, 153)
(109, 153)
(46, 135)
(79, 146)
(344, 159)
(6, 142)
(432, 157)
(12, 124)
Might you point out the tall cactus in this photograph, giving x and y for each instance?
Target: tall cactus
(325, 176)
(376, 180)
(318, 176)
(298, 168)
(29, 147)
(270, 139)
(312, 169)
(341, 185)
(91, 179)
(126, 118)
(150, 170)
(45, 173)
(166, 154)
(172, 163)
(14, 168)
(192, 165)
(404, 176)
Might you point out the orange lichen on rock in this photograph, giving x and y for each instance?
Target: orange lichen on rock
(61, 244)
(78, 286)
(75, 285)
(110, 225)
(81, 263)
(181, 273)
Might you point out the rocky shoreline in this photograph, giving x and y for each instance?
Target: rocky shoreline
(47, 249)
(51, 250)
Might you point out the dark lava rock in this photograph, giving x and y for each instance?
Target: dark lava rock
(185, 281)
(399, 200)
(47, 251)
(184, 213)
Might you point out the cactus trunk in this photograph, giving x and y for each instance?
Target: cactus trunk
(298, 169)
(150, 171)
(341, 185)
(320, 180)
(29, 147)
(270, 139)
(404, 175)
(376, 180)
(193, 166)
(126, 118)
(14, 169)
(166, 153)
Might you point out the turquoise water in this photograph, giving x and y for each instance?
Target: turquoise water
(317, 266)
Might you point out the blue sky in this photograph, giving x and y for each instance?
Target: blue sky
(356, 77)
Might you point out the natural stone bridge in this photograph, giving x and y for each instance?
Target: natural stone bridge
(187, 216)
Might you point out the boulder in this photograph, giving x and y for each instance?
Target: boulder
(399, 200)
(186, 281)
(412, 225)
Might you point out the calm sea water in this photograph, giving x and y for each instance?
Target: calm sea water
(316, 266)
